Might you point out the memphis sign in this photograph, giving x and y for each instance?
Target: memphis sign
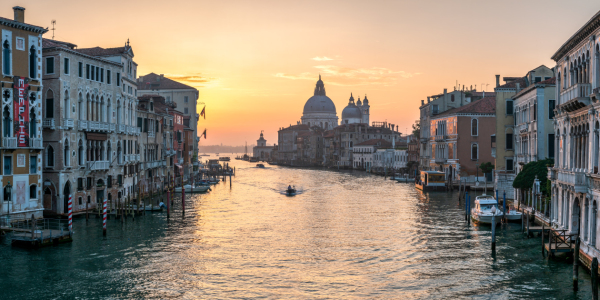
(21, 111)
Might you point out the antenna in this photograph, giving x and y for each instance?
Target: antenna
(53, 23)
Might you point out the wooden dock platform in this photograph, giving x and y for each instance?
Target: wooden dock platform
(38, 233)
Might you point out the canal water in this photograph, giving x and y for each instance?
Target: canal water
(346, 235)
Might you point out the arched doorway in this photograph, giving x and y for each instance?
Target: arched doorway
(575, 216)
(66, 193)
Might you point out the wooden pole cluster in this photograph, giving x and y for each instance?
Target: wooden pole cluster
(576, 265)
(594, 270)
(494, 232)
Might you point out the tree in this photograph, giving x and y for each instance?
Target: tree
(527, 176)
(416, 129)
(486, 167)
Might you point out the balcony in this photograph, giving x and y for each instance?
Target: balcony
(151, 134)
(151, 164)
(121, 128)
(575, 97)
(440, 160)
(522, 128)
(97, 126)
(97, 165)
(552, 174)
(68, 123)
(82, 125)
(440, 137)
(48, 123)
(36, 143)
(576, 179)
(9, 143)
(112, 127)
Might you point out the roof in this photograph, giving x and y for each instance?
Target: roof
(48, 43)
(485, 105)
(21, 25)
(154, 81)
(99, 51)
(547, 82)
(296, 127)
(579, 35)
(375, 142)
(513, 83)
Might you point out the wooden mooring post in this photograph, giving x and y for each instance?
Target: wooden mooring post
(168, 203)
(594, 271)
(182, 199)
(576, 265)
(528, 225)
(466, 207)
(543, 245)
(493, 230)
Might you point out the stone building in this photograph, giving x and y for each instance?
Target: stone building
(261, 150)
(575, 182)
(21, 92)
(356, 112)
(287, 147)
(363, 153)
(90, 138)
(184, 96)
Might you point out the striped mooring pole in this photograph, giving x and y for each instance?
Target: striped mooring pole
(70, 215)
(104, 217)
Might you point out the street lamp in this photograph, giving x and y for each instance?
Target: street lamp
(8, 195)
(477, 177)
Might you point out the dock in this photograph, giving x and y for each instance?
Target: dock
(38, 233)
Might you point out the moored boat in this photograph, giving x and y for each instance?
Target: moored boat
(431, 180)
(253, 159)
(260, 165)
(224, 158)
(485, 208)
(195, 189)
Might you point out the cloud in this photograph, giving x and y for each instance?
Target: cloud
(345, 76)
(324, 58)
(196, 80)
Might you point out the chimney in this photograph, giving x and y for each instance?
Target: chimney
(518, 87)
(497, 80)
(428, 99)
(19, 14)
(445, 92)
(422, 102)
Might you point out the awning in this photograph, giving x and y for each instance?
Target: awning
(96, 136)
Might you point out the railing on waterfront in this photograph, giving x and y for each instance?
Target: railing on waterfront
(561, 240)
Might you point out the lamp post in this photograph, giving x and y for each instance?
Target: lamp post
(477, 177)
(8, 189)
(536, 190)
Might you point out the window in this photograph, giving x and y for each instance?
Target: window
(32, 164)
(6, 59)
(118, 79)
(139, 123)
(108, 76)
(49, 65)
(101, 74)
(546, 78)
(7, 165)
(509, 107)
(509, 141)
(90, 199)
(80, 184)
(168, 99)
(80, 200)
(435, 109)
(80, 69)
(50, 157)
(6, 121)
(186, 100)
(185, 111)
(538, 79)
(87, 71)
(32, 62)
(534, 112)
(474, 152)
(474, 127)
(66, 61)
(66, 154)
(33, 191)
(109, 181)
(551, 106)
(509, 164)
(97, 74)
(93, 71)
(551, 145)
(89, 183)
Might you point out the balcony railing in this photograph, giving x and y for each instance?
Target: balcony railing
(97, 165)
(9, 142)
(440, 137)
(578, 90)
(151, 134)
(68, 123)
(82, 125)
(48, 123)
(576, 179)
(440, 160)
(36, 143)
(121, 128)
(112, 127)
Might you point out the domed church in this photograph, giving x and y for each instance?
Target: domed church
(356, 112)
(319, 110)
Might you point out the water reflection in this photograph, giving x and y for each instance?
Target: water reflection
(348, 235)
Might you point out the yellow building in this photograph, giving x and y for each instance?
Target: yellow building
(503, 143)
(21, 147)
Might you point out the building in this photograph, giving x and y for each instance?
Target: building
(390, 160)
(461, 139)
(288, 149)
(575, 182)
(21, 113)
(184, 96)
(90, 137)
(363, 153)
(503, 148)
(261, 150)
(319, 110)
(357, 112)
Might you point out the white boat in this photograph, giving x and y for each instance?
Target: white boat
(149, 208)
(513, 215)
(195, 189)
(485, 207)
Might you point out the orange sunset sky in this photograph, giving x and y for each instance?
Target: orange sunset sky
(256, 62)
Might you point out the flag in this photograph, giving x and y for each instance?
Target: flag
(204, 133)
(203, 113)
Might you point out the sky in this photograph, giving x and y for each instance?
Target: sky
(255, 63)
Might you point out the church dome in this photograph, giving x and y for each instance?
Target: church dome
(351, 111)
(319, 103)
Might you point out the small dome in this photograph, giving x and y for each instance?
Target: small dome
(351, 111)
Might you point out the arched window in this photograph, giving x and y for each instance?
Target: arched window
(474, 127)
(474, 152)
(50, 156)
(108, 153)
(6, 58)
(67, 105)
(80, 108)
(33, 191)
(32, 123)
(66, 154)
(6, 122)
(81, 154)
(32, 62)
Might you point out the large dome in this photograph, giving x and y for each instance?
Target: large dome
(351, 111)
(319, 104)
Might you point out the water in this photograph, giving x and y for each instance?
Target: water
(347, 235)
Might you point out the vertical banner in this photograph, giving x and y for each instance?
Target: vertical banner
(21, 111)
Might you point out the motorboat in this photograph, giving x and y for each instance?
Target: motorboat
(513, 215)
(260, 165)
(253, 159)
(486, 206)
(290, 192)
(194, 189)
(148, 207)
(431, 180)
(224, 158)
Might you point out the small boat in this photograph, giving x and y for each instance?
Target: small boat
(260, 165)
(246, 157)
(513, 215)
(402, 179)
(274, 163)
(195, 189)
(290, 192)
(149, 207)
(431, 180)
(204, 154)
(238, 158)
(253, 159)
(486, 207)
(224, 158)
